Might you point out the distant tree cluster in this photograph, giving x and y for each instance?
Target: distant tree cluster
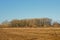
(42, 22)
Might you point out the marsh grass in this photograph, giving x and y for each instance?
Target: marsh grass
(29, 34)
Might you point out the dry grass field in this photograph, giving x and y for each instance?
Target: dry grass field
(29, 33)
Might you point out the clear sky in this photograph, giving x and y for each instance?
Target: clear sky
(21, 9)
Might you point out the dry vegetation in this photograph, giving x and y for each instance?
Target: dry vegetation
(30, 29)
(29, 34)
(33, 23)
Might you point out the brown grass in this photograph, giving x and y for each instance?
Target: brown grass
(29, 33)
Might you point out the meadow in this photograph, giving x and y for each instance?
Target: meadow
(29, 33)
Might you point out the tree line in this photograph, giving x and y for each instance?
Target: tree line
(37, 22)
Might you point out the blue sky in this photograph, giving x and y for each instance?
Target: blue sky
(21, 9)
